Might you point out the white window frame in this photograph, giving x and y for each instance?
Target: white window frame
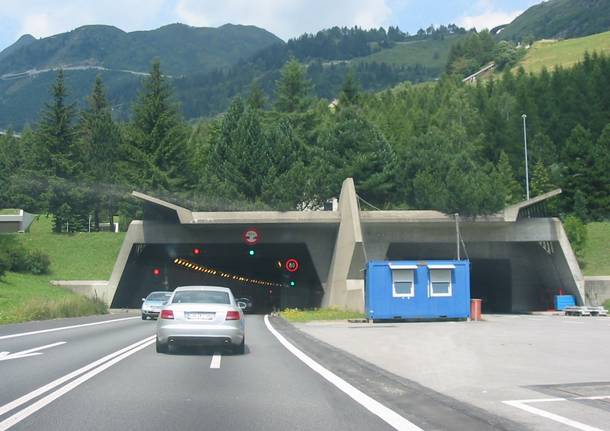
(411, 270)
(449, 269)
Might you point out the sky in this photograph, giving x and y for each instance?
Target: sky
(284, 18)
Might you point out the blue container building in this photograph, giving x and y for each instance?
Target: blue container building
(438, 289)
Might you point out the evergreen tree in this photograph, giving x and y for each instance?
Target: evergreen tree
(158, 136)
(293, 88)
(508, 185)
(100, 146)
(578, 163)
(599, 197)
(256, 98)
(350, 91)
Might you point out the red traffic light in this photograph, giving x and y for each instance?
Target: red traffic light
(292, 265)
(196, 250)
(156, 272)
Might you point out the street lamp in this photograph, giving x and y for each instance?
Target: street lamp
(527, 178)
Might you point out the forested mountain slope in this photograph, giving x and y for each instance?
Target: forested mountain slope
(559, 19)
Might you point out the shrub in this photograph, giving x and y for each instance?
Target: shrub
(37, 262)
(5, 263)
(577, 234)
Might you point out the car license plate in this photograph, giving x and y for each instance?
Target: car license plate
(200, 316)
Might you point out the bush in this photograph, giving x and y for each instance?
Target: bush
(18, 259)
(5, 262)
(37, 262)
(577, 234)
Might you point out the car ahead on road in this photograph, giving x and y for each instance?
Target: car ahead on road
(153, 303)
(248, 301)
(201, 316)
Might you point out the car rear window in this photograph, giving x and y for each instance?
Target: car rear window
(158, 297)
(201, 297)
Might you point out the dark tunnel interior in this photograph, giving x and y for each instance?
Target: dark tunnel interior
(272, 276)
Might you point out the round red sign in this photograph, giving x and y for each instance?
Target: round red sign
(251, 236)
(292, 265)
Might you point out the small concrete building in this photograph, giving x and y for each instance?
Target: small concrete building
(519, 258)
(20, 221)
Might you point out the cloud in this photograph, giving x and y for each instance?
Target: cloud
(488, 19)
(41, 18)
(287, 18)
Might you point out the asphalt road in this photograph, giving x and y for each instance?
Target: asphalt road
(98, 377)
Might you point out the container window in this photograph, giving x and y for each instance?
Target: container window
(440, 282)
(402, 283)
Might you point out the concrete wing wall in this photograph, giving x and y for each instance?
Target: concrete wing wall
(345, 285)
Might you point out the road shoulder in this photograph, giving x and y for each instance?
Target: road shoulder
(425, 407)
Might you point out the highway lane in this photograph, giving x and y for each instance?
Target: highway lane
(267, 388)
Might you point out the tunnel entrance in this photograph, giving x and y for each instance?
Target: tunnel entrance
(490, 280)
(272, 276)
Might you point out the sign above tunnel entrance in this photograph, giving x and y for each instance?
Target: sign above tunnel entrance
(251, 236)
(292, 265)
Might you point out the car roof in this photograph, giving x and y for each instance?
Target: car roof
(210, 288)
(159, 291)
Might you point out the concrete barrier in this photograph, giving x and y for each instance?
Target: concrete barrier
(597, 289)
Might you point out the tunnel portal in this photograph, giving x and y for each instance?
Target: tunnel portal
(273, 276)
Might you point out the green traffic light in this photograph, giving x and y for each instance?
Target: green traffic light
(292, 284)
(251, 252)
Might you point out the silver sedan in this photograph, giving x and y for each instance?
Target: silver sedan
(203, 316)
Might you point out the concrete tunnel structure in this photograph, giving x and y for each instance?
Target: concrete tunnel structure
(519, 258)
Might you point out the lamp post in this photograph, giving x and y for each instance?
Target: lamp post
(527, 178)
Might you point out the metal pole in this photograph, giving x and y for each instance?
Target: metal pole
(527, 178)
(457, 235)
(89, 223)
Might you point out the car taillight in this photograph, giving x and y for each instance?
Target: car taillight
(232, 315)
(167, 314)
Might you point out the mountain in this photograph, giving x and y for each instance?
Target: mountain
(181, 48)
(209, 67)
(28, 67)
(559, 19)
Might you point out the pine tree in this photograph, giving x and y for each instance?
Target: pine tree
(158, 135)
(350, 91)
(293, 88)
(55, 152)
(577, 159)
(100, 145)
(507, 183)
(256, 98)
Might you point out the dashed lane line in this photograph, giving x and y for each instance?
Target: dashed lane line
(215, 360)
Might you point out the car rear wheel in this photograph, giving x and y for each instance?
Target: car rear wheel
(241, 349)
(161, 347)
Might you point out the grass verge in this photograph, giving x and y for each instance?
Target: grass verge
(607, 305)
(597, 249)
(296, 315)
(78, 256)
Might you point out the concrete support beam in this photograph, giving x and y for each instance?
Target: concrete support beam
(345, 284)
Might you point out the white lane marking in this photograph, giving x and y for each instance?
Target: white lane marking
(552, 416)
(33, 408)
(43, 331)
(215, 361)
(5, 356)
(386, 414)
(41, 390)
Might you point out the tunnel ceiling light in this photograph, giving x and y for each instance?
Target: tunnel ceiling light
(190, 265)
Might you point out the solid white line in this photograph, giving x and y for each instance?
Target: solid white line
(552, 416)
(386, 414)
(43, 331)
(215, 361)
(33, 408)
(41, 390)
